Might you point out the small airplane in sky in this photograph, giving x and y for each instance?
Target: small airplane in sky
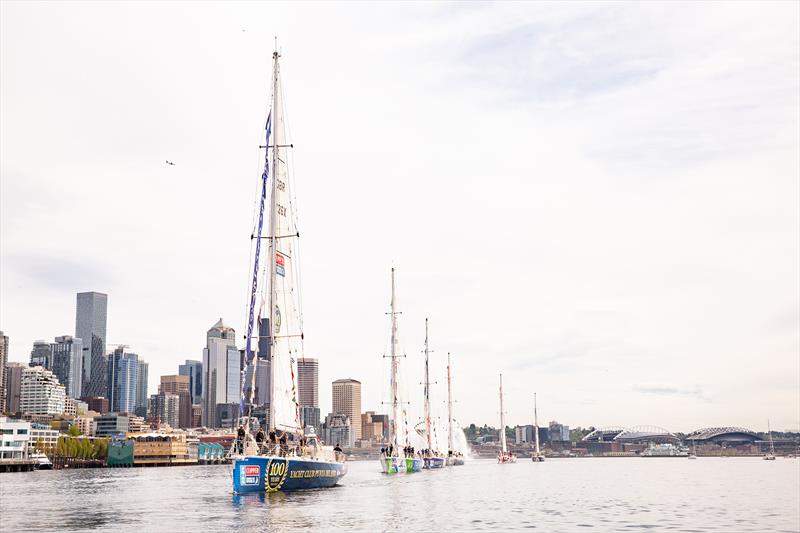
(170, 163)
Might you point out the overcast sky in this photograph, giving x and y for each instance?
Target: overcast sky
(600, 201)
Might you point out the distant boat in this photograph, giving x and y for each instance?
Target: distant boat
(504, 456)
(693, 453)
(397, 456)
(771, 455)
(42, 461)
(454, 458)
(290, 460)
(537, 456)
(664, 450)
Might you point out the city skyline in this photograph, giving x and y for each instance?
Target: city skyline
(616, 231)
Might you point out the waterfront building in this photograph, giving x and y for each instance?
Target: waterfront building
(558, 432)
(14, 437)
(67, 363)
(193, 369)
(13, 373)
(140, 407)
(123, 369)
(41, 355)
(338, 431)
(90, 326)
(42, 438)
(70, 407)
(3, 373)
(160, 449)
(137, 424)
(221, 371)
(179, 385)
(40, 392)
(165, 409)
(98, 404)
(347, 401)
(110, 424)
(383, 420)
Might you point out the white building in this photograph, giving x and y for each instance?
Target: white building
(14, 437)
(73, 407)
(40, 392)
(86, 424)
(221, 371)
(44, 437)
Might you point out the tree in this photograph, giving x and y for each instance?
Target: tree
(74, 431)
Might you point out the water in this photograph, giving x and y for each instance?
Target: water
(659, 494)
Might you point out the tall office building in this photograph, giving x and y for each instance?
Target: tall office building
(3, 372)
(67, 363)
(221, 371)
(13, 385)
(140, 407)
(193, 369)
(123, 368)
(347, 401)
(261, 391)
(41, 355)
(308, 392)
(179, 386)
(90, 327)
(40, 392)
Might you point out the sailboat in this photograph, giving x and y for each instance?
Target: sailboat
(693, 453)
(289, 460)
(431, 456)
(394, 457)
(771, 455)
(504, 456)
(537, 456)
(454, 458)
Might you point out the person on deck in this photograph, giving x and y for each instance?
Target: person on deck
(283, 441)
(337, 448)
(240, 439)
(260, 439)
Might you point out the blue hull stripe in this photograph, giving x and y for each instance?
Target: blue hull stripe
(273, 474)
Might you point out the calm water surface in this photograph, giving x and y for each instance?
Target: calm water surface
(659, 494)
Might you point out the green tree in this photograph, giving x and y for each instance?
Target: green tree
(73, 431)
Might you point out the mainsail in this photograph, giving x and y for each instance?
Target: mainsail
(281, 302)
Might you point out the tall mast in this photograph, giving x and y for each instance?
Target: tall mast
(393, 379)
(771, 443)
(536, 424)
(502, 419)
(449, 408)
(272, 237)
(427, 390)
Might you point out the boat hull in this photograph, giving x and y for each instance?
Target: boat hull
(399, 465)
(455, 461)
(284, 474)
(506, 458)
(433, 462)
(537, 458)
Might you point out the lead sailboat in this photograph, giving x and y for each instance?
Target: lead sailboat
(537, 456)
(289, 460)
(398, 455)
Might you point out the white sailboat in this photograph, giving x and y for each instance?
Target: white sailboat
(693, 453)
(504, 456)
(770, 456)
(398, 456)
(537, 456)
(454, 458)
(431, 456)
(289, 460)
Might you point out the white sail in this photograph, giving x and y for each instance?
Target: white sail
(286, 343)
(503, 445)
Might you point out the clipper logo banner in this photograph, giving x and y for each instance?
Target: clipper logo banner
(251, 475)
(280, 267)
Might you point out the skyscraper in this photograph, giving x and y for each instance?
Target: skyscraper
(221, 371)
(90, 327)
(179, 386)
(3, 372)
(165, 408)
(261, 387)
(67, 363)
(123, 368)
(347, 401)
(193, 369)
(140, 407)
(41, 355)
(13, 385)
(308, 392)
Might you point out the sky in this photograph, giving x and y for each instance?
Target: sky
(599, 200)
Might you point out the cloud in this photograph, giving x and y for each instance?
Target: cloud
(671, 390)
